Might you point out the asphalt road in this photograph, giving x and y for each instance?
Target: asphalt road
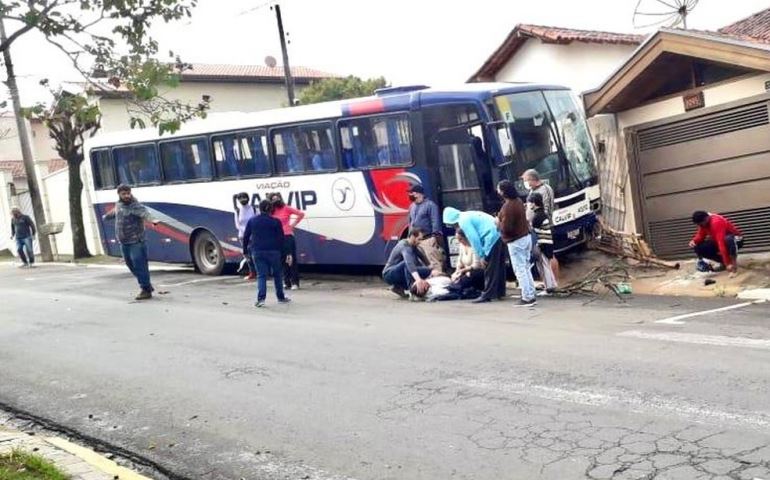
(349, 383)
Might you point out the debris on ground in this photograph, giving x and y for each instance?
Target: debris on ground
(627, 245)
(599, 280)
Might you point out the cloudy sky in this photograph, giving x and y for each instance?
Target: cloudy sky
(407, 41)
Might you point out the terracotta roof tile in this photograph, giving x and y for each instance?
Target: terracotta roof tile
(756, 27)
(250, 72)
(56, 164)
(569, 35)
(14, 167)
(523, 32)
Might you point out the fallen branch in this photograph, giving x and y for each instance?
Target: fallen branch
(601, 279)
(627, 245)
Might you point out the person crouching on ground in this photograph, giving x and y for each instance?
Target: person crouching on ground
(541, 225)
(407, 266)
(514, 230)
(130, 216)
(469, 272)
(482, 234)
(263, 240)
(717, 239)
(244, 211)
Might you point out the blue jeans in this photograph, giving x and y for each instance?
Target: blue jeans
(135, 256)
(398, 275)
(267, 261)
(23, 244)
(520, 251)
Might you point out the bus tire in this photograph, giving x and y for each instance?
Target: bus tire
(207, 254)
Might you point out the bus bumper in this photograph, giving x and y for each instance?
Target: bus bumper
(574, 233)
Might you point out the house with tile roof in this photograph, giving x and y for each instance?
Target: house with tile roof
(579, 59)
(691, 116)
(245, 88)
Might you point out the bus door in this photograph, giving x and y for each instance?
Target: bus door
(464, 171)
(463, 168)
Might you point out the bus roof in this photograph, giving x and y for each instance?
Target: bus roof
(400, 99)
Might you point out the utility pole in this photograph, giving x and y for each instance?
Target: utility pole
(285, 53)
(26, 150)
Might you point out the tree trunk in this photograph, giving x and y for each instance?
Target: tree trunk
(26, 150)
(79, 243)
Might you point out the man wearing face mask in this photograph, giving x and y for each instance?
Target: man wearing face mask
(243, 213)
(424, 216)
(534, 184)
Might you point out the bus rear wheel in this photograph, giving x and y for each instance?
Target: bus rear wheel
(207, 254)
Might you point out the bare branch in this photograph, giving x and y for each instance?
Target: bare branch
(28, 26)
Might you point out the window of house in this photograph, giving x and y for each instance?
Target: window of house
(241, 154)
(186, 159)
(303, 148)
(378, 141)
(137, 164)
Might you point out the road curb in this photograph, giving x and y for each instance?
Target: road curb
(79, 462)
(96, 460)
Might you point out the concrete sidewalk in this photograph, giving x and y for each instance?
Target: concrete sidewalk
(79, 462)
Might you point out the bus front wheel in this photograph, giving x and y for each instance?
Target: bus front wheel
(207, 254)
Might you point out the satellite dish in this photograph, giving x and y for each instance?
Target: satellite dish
(270, 61)
(663, 13)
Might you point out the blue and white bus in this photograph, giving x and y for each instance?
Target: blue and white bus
(348, 166)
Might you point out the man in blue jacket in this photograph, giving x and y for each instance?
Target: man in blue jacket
(482, 234)
(263, 240)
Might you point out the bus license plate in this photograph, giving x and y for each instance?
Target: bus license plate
(573, 212)
(573, 234)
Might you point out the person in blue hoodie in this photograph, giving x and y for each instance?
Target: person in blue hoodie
(482, 234)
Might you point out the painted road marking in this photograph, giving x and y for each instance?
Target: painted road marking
(699, 339)
(678, 319)
(643, 403)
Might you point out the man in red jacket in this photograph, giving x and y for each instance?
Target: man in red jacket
(717, 239)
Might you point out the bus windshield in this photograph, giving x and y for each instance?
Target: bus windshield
(545, 131)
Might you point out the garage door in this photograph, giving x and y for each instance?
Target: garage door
(719, 162)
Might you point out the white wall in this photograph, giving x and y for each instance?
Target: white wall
(56, 187)
(9, 138)
(225, 97)
(713, 96)
(580, 66)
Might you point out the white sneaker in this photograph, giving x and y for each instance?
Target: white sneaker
(295, 287)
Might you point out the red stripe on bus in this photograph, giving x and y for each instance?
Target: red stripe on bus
(369, 106)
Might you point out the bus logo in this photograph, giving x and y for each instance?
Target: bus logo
(343, 194)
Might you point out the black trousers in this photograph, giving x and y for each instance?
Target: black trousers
(494, 273)
(290, 272)
(709, 249)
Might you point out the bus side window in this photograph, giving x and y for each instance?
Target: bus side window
(377, 141)
(103, 171)
(303, 148)
(137, 165)
(186, 159)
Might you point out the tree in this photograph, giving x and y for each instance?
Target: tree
(105, 36)
(340, 89)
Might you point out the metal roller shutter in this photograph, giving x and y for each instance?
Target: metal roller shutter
(718, 162)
